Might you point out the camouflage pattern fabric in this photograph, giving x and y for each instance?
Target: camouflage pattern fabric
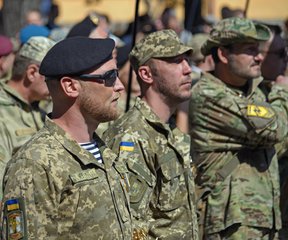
(36, 48)
(196, 42)
(283, 171)
(235, 30)
(160, 177)
(159, 44)
(282, 153)
(227, 124)
(102, 127)
(237, 231)
(19, 121)
(67, 194)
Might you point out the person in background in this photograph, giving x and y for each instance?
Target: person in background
(274, 51)
(6, 57)
(156, 153)
(273, 69)
(93, 25)
(20, 116)
(234, 130)
(169, 20)
(227, 12)
(200, 64)
(34, 17)
(65, 183)
(32, 31)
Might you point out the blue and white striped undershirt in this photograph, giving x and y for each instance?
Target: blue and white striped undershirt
(93, 148)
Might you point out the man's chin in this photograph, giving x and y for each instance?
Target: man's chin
(112, 116)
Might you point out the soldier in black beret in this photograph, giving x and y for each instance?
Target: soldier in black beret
(94, 24)
(65, 183)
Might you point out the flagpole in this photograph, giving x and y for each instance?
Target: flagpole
(133, 43)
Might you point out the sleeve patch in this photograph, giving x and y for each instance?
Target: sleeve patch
(14, 219)
(259, 111)
(127, 146)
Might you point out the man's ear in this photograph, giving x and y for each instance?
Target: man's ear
(32, 72)
(70, 86)
(223, 54)
(145, 74)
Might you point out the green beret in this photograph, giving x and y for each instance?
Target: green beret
(235, 30)
(160, 44)
(75, 55)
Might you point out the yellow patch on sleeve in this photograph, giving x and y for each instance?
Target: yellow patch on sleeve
(259, 111)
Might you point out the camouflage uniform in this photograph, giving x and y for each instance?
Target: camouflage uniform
(282, 153)
(197, 57)
(63, 192)
(19, 119)
(161, 183)
(233, 135)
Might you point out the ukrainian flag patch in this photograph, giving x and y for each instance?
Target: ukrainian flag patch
(127, 146)
(12, 204)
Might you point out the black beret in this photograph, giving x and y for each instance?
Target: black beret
(123, 55)
(83, 28)
(73, 56)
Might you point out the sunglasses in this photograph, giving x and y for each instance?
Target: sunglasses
(108, 78)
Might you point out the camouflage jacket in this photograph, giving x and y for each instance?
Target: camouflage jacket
(62, 192)
(228, 124)
(161, 182)
(18, 122)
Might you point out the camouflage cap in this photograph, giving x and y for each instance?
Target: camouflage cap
(160, 44)
(36, 48)
(235, 30)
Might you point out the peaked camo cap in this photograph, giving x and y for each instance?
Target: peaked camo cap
(36, 48)
(160, 44)
(235, 30)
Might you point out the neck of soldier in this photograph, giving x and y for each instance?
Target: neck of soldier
(159, 106)
(225, 75)
(72, 121)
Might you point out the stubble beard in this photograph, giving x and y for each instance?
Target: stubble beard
(98, 111)
(245, 73)
(173, 96)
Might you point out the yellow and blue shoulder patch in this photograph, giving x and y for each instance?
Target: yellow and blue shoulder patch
(14, 225)
(127, 146)
(12, 204)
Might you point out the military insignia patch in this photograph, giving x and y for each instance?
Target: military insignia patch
(127, 146)
(12, 204)
(259, 111)
(14, 219)
(15, 226)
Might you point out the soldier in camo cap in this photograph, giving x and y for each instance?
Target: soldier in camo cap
(154, 150)
(200, 62)
(235, 30)
(64, 183)
(19, 113)
(234, 130)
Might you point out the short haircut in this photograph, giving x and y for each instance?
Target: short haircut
(20, 65)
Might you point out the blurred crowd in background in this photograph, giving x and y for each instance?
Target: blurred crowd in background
(40, 19)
